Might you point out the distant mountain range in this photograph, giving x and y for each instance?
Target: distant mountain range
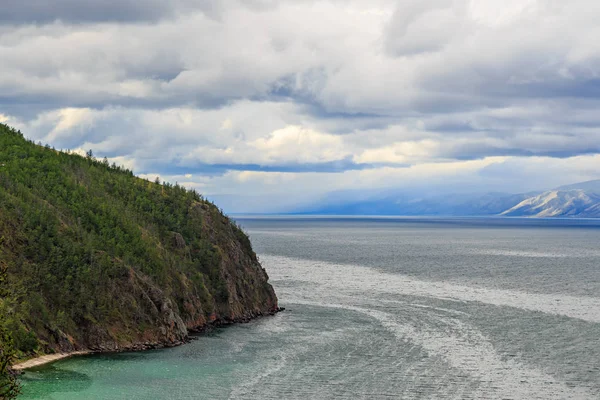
(580, 200)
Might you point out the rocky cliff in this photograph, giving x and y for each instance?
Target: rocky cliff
(99, 259)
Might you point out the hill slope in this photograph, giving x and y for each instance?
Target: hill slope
(99, 259)
(588, 186)
(558, 203)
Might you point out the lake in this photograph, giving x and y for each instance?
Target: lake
(380, 308)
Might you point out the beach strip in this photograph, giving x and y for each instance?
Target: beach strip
(37, 361)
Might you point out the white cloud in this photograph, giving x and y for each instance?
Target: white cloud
(300, 145)
(401, 152)
(432, 84)
(68, 120)
(227, 124)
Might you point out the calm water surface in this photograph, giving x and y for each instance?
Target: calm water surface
(386, 308)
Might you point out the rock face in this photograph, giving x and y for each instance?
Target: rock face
(165, 318)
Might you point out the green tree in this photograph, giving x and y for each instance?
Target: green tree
(9, 387)
(91, 247)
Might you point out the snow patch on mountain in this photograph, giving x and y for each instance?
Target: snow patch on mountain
(558, 203)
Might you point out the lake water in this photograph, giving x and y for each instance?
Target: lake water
(386, 308)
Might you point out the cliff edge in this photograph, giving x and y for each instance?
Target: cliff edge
(98, 259)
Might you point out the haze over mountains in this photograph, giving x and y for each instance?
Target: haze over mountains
(579, 200)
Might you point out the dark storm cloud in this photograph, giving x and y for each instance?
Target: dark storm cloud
(217, 169)
(80, 11)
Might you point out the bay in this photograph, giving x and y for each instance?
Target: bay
(378, 308)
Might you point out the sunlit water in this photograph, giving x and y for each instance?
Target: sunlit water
(386, 308)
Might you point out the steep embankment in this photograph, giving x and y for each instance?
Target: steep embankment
(99, 259)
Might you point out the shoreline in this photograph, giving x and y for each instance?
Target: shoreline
(50, 358)
(47, 359)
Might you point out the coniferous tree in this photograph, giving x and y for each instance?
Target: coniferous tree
(9, 387)
(84, 241)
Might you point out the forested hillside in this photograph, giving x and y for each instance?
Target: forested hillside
(96, 258)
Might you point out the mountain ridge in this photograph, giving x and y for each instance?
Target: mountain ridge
(578, 200)
(558, 203)
(588, 186)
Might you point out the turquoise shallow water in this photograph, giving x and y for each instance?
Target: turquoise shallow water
(386, 308)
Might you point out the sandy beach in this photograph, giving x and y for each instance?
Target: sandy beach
(36, 362)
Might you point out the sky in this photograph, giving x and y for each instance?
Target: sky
(272, 105)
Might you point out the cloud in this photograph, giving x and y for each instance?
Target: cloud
(41, 11)
(299, 144)
(400, 152)
(232, 90)
(424, 57)
(69, 120)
